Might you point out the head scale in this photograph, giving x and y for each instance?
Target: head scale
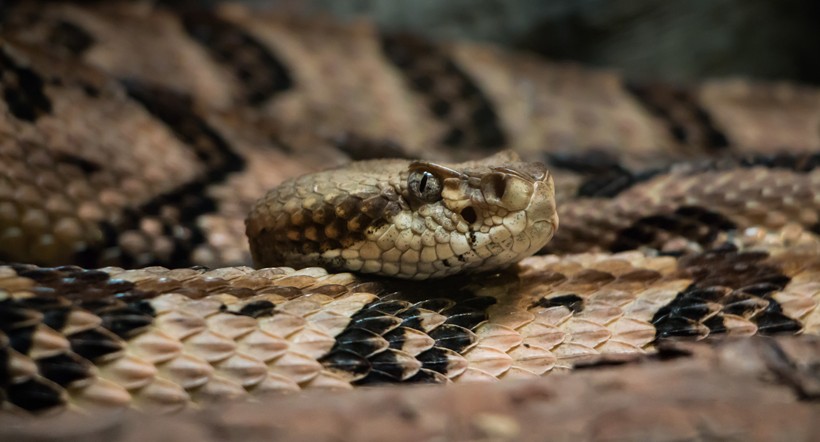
(414, 220)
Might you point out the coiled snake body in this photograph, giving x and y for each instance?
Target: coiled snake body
(112, 163)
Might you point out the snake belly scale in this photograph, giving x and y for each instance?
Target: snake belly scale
(413, 220)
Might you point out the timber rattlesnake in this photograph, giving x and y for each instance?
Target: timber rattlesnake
(133, 138)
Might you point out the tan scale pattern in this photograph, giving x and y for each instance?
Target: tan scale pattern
(202, 346)
(343, 83)
(563, 107)
(51, 208)
(765, 117)
(749, 197)
(366, 97)
(195, 352)
(115, 50)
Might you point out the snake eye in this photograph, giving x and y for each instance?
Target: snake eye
(424, 185)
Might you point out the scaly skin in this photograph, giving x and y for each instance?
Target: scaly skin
(160, 169)
(368, 217)
(161, 340)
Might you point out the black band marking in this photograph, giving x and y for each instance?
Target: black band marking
(693, 223)
(435, 76)
(189, 200)
(687, 121)
(256, 69)
(71, 37)
(23, 90)
(725, 282)
(571, 301)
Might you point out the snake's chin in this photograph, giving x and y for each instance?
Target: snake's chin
(544, 229)
(540, 233)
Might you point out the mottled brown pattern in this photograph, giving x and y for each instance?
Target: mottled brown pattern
(684, 204)
(450, 95)
(370, 217)
(159, 339)
(136, 136)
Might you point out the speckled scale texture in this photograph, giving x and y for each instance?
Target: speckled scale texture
(63, 181)
(71, 195)
(229, 135)
(690, 204)
(161, 340)
(139, 137)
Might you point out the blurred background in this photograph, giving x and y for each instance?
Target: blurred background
(678, 41)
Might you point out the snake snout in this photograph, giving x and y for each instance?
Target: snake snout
(509, 188)
(542, 206)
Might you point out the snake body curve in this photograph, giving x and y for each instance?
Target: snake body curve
(114, 165)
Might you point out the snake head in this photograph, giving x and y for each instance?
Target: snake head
(493, 212)
(414, 220)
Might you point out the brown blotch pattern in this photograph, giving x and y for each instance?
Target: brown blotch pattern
(727, 285)
(694, 224)
(450, 94)
(320, 226)
(259, 72)
(687, 120)
(160, 339)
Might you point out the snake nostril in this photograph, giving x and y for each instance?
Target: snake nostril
(469, 215)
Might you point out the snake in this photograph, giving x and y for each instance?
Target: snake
(414, 220)
(126, 194)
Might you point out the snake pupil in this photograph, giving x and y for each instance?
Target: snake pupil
(425, 186)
